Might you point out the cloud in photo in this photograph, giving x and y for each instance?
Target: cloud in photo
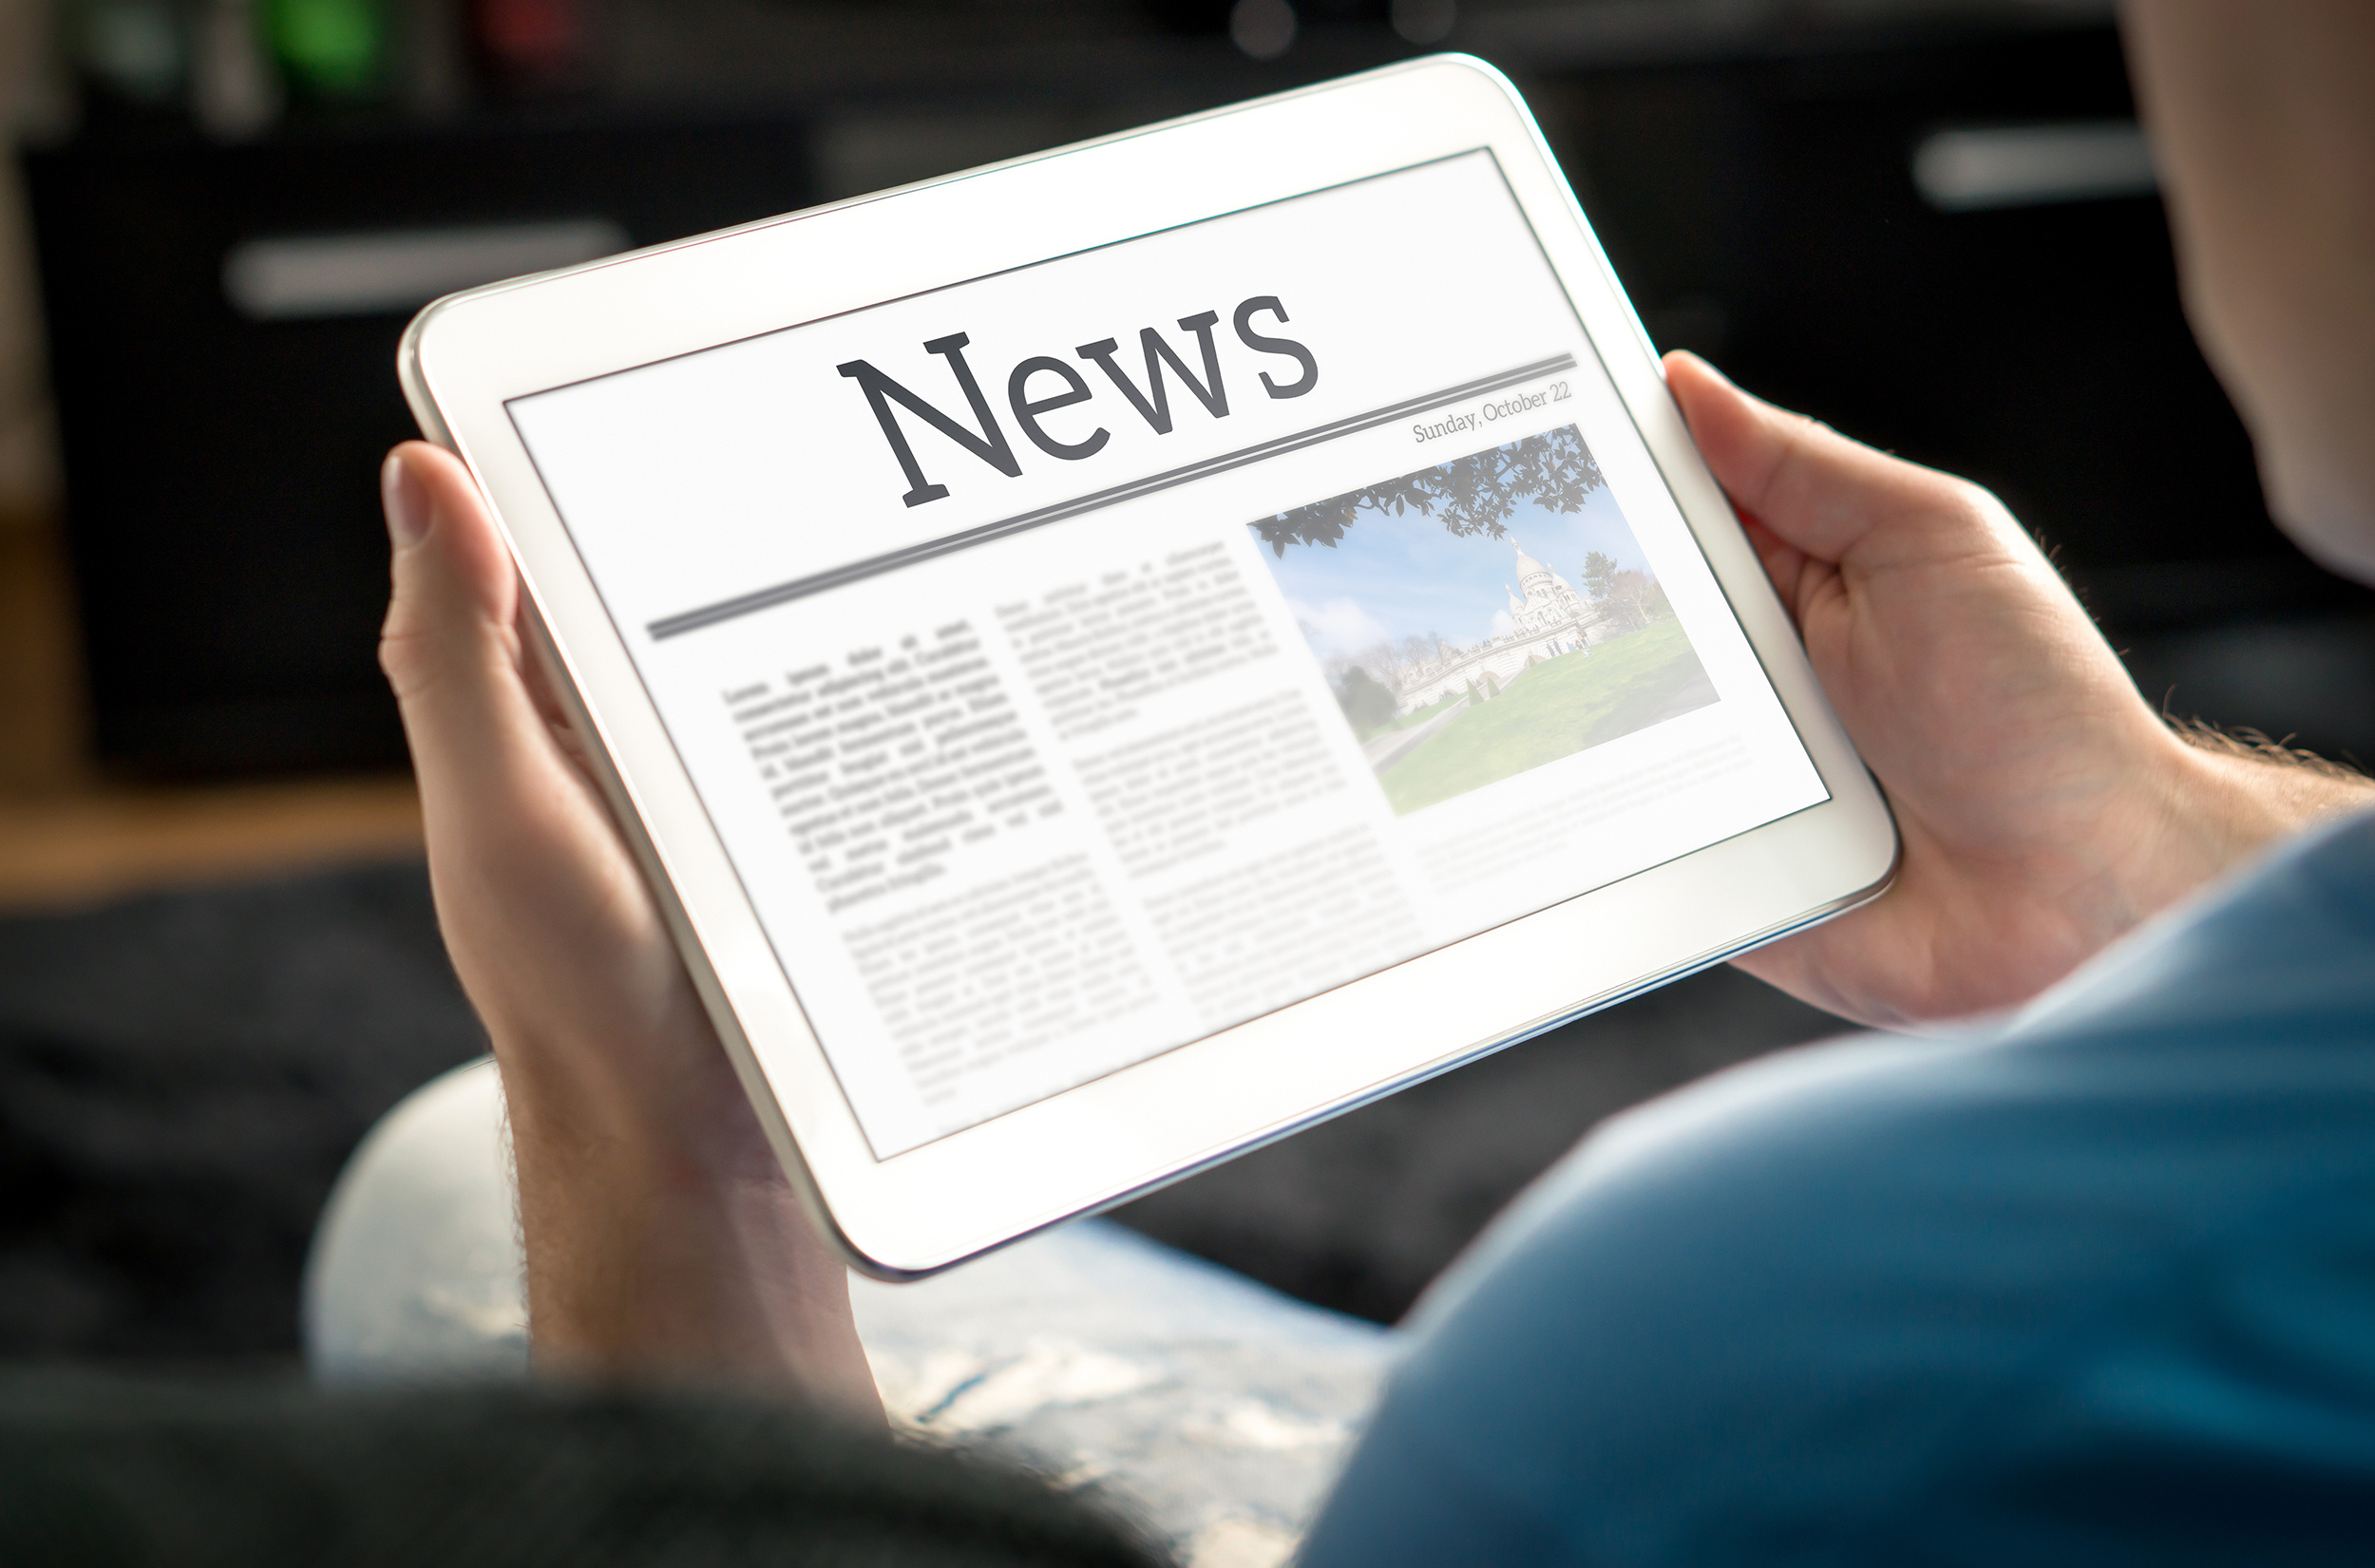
(1338, 628)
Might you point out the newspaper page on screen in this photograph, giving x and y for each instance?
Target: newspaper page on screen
(1083, 659)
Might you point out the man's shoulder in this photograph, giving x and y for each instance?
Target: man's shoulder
(1811, 1278)
(2191, 1072)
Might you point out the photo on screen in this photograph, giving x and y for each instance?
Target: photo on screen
(1483, 618)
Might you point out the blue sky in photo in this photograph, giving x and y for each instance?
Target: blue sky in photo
(1393, 576)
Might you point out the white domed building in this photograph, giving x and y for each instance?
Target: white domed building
(1547, 602)
(1547, 620)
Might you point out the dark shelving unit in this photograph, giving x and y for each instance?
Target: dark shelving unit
(1748, 170)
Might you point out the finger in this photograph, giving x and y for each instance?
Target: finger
(453, 587)
(1785, 564)
(541, 691)
(1815, 489)
(449, 645)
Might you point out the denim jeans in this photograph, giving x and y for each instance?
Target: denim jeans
(1213, 1407)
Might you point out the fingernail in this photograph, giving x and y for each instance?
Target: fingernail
(405, 499)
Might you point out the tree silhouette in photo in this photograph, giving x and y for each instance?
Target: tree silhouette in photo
(1472, 495)
(1368, 706)
(1632, 599)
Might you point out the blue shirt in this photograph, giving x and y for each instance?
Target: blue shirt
(2096, 1288)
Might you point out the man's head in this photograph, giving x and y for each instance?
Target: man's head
(2262, 118)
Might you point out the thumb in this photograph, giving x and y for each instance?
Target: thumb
(1817, 491)
(449, 645)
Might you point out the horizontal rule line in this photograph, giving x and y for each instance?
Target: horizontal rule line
(838, 576)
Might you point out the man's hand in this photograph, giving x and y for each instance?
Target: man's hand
(662, 1239)
(2046, 809)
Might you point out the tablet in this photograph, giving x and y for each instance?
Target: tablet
(1113, 657)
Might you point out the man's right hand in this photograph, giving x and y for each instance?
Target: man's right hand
(2045, 808)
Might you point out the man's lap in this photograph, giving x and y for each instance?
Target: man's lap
(1214, 1408)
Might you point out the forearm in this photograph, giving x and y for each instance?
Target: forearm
(2203, 805)
(651, 1263)
(2245, 794)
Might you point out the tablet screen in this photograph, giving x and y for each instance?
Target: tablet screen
(1085, 658)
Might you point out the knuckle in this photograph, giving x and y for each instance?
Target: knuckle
(1977, 506)
(1796, 451)
(407, 658)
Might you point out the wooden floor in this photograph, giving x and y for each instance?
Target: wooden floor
(70, 835)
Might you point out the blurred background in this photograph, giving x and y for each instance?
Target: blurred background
(1932, 223)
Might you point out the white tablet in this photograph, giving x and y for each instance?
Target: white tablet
(1116, 656)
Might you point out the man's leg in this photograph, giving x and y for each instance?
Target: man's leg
(1214, 1407)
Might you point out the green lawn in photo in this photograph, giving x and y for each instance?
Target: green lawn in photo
(1554, 710)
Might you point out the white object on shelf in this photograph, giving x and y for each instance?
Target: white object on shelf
(295, 278)
(1974, 169)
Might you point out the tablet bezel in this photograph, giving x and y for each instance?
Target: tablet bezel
(1091, 1146)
